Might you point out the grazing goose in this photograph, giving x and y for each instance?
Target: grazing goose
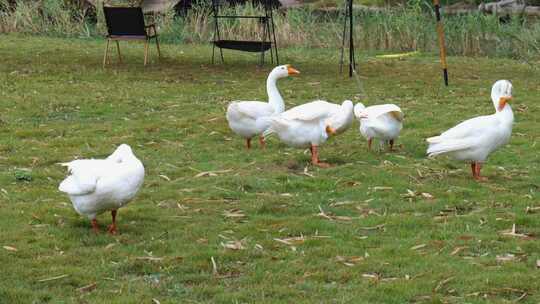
(383, 122)
(474, 139)
(310, 125)
(334, 110)
(246, 118)
(98, 185)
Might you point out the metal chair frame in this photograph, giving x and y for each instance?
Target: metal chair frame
(268, 41)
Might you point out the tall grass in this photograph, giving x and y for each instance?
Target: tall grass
(408, 28)
(46, 16)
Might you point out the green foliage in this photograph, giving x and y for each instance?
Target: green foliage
(403, 28)
(51, 17)
(381, 239)
(23, 175)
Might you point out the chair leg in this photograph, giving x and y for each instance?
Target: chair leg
(158, 50)
(272, 53)
(213, 52)
(157, 46)
(145, 51)
(106, 53)
(119, 54)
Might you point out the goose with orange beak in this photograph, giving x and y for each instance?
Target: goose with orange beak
(475, 139)
(249, 118)
(311, 124)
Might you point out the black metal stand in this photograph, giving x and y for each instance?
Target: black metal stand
(268, 41)
(348, 18)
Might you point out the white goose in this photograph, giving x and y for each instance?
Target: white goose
(98, 185)
(310, 125)
(474, 139)
(246, 118)
(335, 110)
(383, 122)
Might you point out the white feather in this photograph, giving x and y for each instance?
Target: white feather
(474, 139)
(306, 124)
(383, 122)
(97, 185)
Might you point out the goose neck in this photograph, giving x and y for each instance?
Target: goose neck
(274, 97)
(506, 114)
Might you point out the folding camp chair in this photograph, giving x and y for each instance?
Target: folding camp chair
(127, 23)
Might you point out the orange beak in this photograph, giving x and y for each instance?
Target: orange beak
(330, 130)
(502, 102)
(292, 71)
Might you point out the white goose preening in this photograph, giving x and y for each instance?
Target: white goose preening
(98, 185)
(383, 122)
(246, 118)
(335, 110)
(474, 139)
(310, 125)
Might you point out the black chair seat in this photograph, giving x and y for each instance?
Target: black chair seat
(246, 46)
(127, 37)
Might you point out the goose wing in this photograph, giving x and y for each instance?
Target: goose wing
(252, 109)
(314, 110)
(311, 111)
(84, 175)
(471, 128)
(378, 110)
(468, 134)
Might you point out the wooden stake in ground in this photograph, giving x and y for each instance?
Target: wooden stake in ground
(442, 46)
(352, 62)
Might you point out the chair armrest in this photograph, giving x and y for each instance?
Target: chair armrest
(154, 31)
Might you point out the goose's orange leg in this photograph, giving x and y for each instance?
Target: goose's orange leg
(112, 227)
(369, 143)
(248, 143)
(315, 157)
(95, 226)
(262, 142)
(478, 167)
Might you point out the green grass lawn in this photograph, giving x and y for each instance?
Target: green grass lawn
(381, 240)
